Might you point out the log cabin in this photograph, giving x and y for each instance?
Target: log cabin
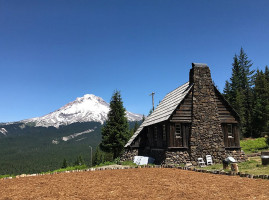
(192, 121)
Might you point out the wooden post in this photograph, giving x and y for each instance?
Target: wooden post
(225, 165)
(152, 94)
(234, 167)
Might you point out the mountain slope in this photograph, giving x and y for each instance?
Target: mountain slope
(88, 108)
(41, 143)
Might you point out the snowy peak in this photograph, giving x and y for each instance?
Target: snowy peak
(84, 109)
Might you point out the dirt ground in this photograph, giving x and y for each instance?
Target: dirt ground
(144, 183)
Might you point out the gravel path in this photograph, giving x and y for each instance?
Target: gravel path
(144, 183)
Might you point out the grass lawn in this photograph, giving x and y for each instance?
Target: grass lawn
(253, 145)
(252, 166)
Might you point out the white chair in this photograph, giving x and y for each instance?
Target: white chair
(209, 160)
(201, 162)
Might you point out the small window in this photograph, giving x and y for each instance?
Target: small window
(164, 133)
(178, 131)
(155, 134)
(230, 130)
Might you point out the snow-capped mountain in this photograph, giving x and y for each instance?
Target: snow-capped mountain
(84, 109)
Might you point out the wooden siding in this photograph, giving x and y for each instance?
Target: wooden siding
(225, 111)
(184, 111)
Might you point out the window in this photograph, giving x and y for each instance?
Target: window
(231, 134)
(178, 131)
(230, 130)
(164, 133)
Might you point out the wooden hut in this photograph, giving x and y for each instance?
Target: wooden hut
(192, 121)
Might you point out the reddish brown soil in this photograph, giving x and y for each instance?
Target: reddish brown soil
(145, 183)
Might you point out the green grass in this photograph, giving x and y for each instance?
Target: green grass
(105, 164)
(129, 162)
(4, 176)
(252, 166)
(254, 145)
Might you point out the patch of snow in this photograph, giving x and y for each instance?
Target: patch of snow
(55, 142)
(22, 126)
(80, 139)
(3, 131)
(66, 138)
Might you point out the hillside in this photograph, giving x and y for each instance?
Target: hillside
(41, 143)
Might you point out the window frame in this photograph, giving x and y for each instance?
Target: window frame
(178, 135)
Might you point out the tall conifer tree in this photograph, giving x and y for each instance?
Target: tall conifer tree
(260, 118)
(239, 91)
(115, 132)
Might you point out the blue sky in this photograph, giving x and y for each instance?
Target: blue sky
(54, 51)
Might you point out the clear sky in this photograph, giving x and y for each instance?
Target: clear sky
(53, 51)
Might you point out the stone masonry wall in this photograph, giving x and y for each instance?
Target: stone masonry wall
(176, 157)
(238, 155)
(129, 154)
(206, 133)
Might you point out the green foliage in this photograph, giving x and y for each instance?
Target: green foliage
(129, 163)
(106, 163)
(30, 150)
(260, 118)
(253, 145)
(248, 93)
(79, 161)
(64, 165)
(115, 132)
(7, 175)
(101, 157)
(134, 129)
(70, 168)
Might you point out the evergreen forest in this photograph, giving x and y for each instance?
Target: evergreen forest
(247, 91)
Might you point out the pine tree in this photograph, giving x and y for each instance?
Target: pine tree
(64, 165)
(227, 91)
(143, 118)
(150, 111)
(246, 85)
(260, 116)
(98, 157)
(115, 132)
(239, 93)
(136, 126)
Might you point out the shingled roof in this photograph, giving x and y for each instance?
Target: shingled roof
(165, 109)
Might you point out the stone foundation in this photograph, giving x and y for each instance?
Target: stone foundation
(238, 155)
(129, 154)
(164, 157)
(176, 157)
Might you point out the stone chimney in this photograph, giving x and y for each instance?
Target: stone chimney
(206, 133)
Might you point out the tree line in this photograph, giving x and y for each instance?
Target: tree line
(247, 91)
